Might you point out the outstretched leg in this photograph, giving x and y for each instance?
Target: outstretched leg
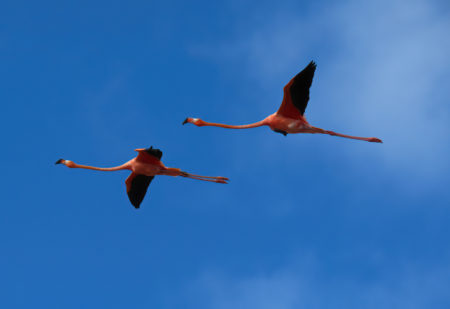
(205, 178)
(170, 171)
(367, 139)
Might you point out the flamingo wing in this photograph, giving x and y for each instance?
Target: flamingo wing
(137, 186)
(154, 152)
(150, 155)
(296, 93)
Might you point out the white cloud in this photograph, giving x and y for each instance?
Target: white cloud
(401, 56)
(305, 285)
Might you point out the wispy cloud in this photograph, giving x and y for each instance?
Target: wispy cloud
(305, 285)
(400, 54)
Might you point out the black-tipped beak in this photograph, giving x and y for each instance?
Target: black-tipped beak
(59, 161)
(185, 121)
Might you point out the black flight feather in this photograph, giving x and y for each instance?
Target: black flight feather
(300, 87)
(154, 152)
(138, 189)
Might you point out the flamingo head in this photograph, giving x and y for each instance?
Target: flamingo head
(67, 163)
(198, 122)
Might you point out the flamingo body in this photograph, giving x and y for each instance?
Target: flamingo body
(144, 168)
(289, 118)
(285, 125)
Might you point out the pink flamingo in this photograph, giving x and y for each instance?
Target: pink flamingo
(144, 168)
(289, 117)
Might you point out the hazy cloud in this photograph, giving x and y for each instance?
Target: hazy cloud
(305, 285)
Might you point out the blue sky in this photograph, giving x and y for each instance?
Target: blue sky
(306, 221)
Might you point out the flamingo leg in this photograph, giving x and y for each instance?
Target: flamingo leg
(205, 178)
(367, 139)
(171, 171)
(208, 177)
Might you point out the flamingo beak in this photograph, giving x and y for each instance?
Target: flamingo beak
(185, 121)
(59, 161)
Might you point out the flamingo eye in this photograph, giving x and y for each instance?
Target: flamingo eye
(194, 120)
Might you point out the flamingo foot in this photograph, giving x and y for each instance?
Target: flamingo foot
(374, 140)
(221, 181)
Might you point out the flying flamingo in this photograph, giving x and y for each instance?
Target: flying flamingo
(143, 169)
(289, 117)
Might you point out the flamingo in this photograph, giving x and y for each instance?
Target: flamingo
(144, 168)
(289, 118)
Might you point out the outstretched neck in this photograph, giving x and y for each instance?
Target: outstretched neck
(71, 164)
(103, 169)
(202, 123)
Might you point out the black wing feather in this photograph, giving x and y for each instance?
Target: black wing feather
(300, 87)
(138, 189)
(154, 152)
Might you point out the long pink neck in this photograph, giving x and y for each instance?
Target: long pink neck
(227, 126)
(103, 169)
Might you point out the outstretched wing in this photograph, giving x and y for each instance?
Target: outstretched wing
(137, 186)
(296, 93)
